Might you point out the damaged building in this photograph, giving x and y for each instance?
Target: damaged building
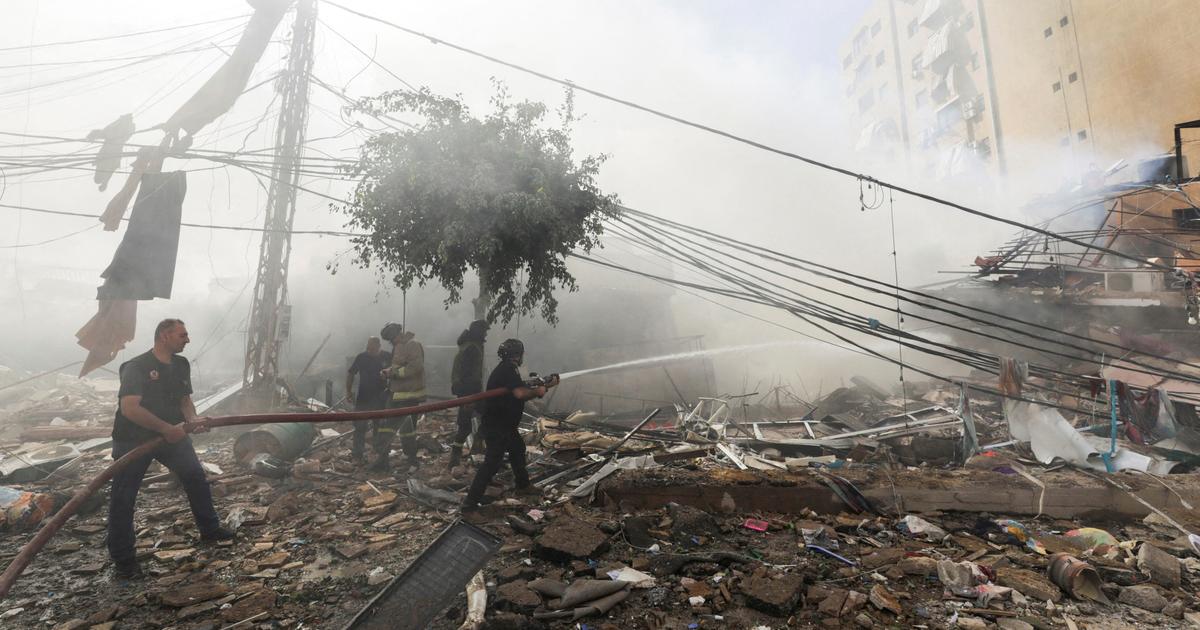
(421, 435)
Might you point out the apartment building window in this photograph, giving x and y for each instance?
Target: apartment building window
(1187, 218)
(1048, 32)
(865, 102)
(879, 59)
(1073, 77)
(863, 72)
(876, 27)
(918, 63)
(912, 28)
(1057, 87)
(921, 99)
(1064, 21)
(860, 42)
(1082, 135)
(847, 61)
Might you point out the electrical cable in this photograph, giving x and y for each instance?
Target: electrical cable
(124, 35)
(737, 138)
(803, 264)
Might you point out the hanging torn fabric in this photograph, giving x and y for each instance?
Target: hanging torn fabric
(143, 267)
(223, 88)
(107, 332)
(108, 159)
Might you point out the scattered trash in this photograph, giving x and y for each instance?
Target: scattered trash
(756, 525)
(1093, 537)
(917, 526)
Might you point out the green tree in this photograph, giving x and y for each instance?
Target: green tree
(501, 195)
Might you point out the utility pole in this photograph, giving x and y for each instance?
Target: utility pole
(270, 314)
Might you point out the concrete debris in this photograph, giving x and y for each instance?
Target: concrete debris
(1163, 568)
(1144, 596)
(651, 533)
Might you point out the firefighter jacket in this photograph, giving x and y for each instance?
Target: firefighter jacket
(406, 375)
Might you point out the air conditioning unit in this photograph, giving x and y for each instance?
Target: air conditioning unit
(970, 108)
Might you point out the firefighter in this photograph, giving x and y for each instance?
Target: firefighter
(372, 388)
(466, 378)
(501, 416)
(406, 386)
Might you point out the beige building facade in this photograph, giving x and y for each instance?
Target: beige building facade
(979, 90)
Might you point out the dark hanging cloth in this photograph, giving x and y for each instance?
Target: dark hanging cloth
(144, 266)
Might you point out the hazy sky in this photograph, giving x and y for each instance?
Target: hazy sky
(767, 70)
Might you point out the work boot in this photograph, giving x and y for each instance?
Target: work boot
(530, 491)
(218, 534)
(455, 456)
(127, 570)
(381, 464)
(357, 456)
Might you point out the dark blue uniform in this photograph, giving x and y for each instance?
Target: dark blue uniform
(500, 418)
(162, 388)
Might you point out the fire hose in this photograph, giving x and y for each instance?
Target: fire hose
(24, 557)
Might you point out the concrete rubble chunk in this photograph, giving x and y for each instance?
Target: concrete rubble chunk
(918, 565)
(1144, 596)
(1163, 568)
(776, 595)
(1030, 584)
(1008, 623)
(104, 614)
(883, 599)
(972, 623)
(193, 594)
(196, 610)
(832, 604)
(883, 557)
(256, 602)
(855, 601)
(689, 523)
(516, 596)
(568, 539)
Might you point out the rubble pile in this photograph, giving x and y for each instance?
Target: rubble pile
(702, 520)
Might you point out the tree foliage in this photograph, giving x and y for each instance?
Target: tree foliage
(501, 195)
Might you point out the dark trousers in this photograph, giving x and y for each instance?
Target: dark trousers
(466, 414)
(361, 426)
(180, 458)
(404, 426)
(500, 441)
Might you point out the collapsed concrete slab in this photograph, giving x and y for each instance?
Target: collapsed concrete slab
(1067, 494)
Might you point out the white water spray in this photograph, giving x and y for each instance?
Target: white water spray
(681, 355)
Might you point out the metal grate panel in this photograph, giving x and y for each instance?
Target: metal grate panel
(415, 598)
